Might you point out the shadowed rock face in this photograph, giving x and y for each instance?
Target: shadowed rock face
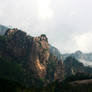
(55, 52)
(59, 72)
(32, 53)
(34, 49)
(3, 29)
(72, 66)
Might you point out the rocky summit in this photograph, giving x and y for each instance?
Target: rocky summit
(33, 54)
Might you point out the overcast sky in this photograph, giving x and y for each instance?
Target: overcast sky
(67, 23)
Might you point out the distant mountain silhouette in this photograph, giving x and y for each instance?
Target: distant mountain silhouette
(3, 29)
(85, 58)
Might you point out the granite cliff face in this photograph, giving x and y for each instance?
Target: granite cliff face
(39, 55)
(32, 53)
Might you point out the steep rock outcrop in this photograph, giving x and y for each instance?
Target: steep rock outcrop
(33, 54)
(39, 55)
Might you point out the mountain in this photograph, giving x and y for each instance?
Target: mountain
(33, 55)
(55, 52)
(3, 29)
(73, 66)
(85, 58)
(31, 64)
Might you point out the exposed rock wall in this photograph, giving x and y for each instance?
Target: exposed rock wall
(33, 54)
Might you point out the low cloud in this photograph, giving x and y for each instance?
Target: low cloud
(83, 42)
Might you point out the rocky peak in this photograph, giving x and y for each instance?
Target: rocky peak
(11, 31)
(78, 52)
(43, 37)
(33, 54)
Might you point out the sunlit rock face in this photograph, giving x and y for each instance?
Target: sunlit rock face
(39, 55)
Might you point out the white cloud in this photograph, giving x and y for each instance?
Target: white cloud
(83, 41)
(86, 63)
(44, 10)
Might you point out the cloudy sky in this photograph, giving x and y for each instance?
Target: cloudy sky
(67, 23)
